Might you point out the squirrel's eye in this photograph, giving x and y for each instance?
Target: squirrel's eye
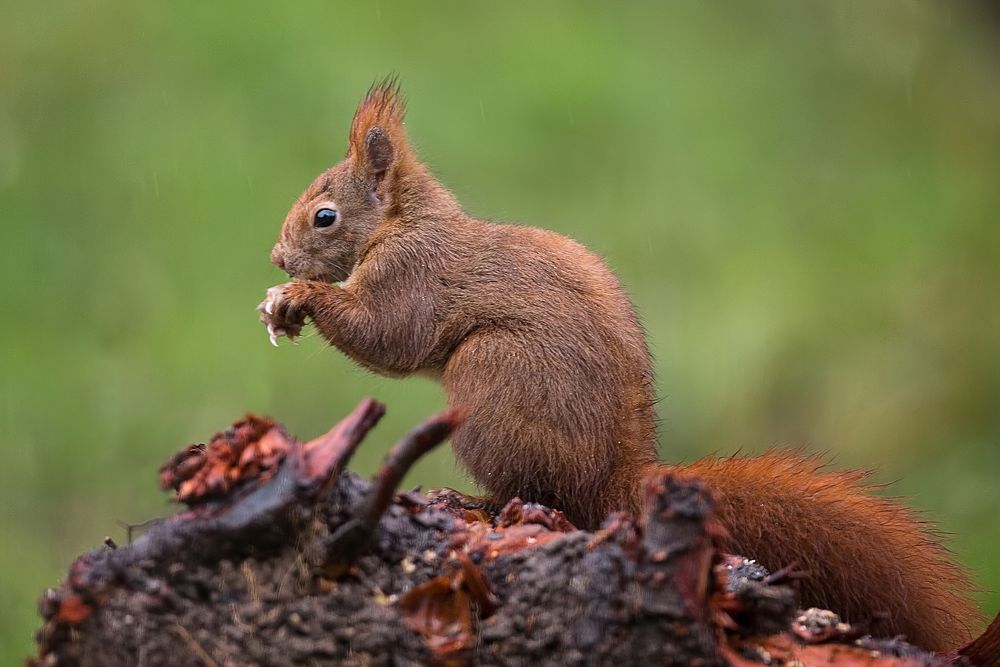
(325, 217)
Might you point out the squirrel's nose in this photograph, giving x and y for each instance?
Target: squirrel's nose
(278, 258)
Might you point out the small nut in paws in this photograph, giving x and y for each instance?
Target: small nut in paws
(280, 314)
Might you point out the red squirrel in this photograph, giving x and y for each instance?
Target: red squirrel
(535, 337)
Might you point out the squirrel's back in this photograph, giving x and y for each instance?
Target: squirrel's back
(572, 421)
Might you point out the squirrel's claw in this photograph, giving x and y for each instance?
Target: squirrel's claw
(273, 314)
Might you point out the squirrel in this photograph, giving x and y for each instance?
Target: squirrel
(535, 337)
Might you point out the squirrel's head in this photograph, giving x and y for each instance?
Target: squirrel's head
(333, 220)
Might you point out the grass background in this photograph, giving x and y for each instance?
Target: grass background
(802, 197)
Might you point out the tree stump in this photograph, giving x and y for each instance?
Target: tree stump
(283, 557)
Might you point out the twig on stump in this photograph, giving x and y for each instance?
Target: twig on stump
(353, 536)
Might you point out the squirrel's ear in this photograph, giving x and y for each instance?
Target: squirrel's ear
(379, 153)
(377, 134)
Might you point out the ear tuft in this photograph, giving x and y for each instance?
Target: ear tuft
(377, 133)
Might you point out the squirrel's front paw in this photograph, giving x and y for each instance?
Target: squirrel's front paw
(282, 315)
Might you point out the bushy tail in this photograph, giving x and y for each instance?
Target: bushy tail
(868, 558)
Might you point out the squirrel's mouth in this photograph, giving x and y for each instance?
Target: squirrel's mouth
(308, 271)
(316, 276)
(318, 271)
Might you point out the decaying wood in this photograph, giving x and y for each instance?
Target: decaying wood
(283, 557)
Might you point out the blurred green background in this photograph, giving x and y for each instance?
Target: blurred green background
(802, 198)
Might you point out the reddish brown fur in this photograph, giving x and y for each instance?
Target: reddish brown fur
(534, 334)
